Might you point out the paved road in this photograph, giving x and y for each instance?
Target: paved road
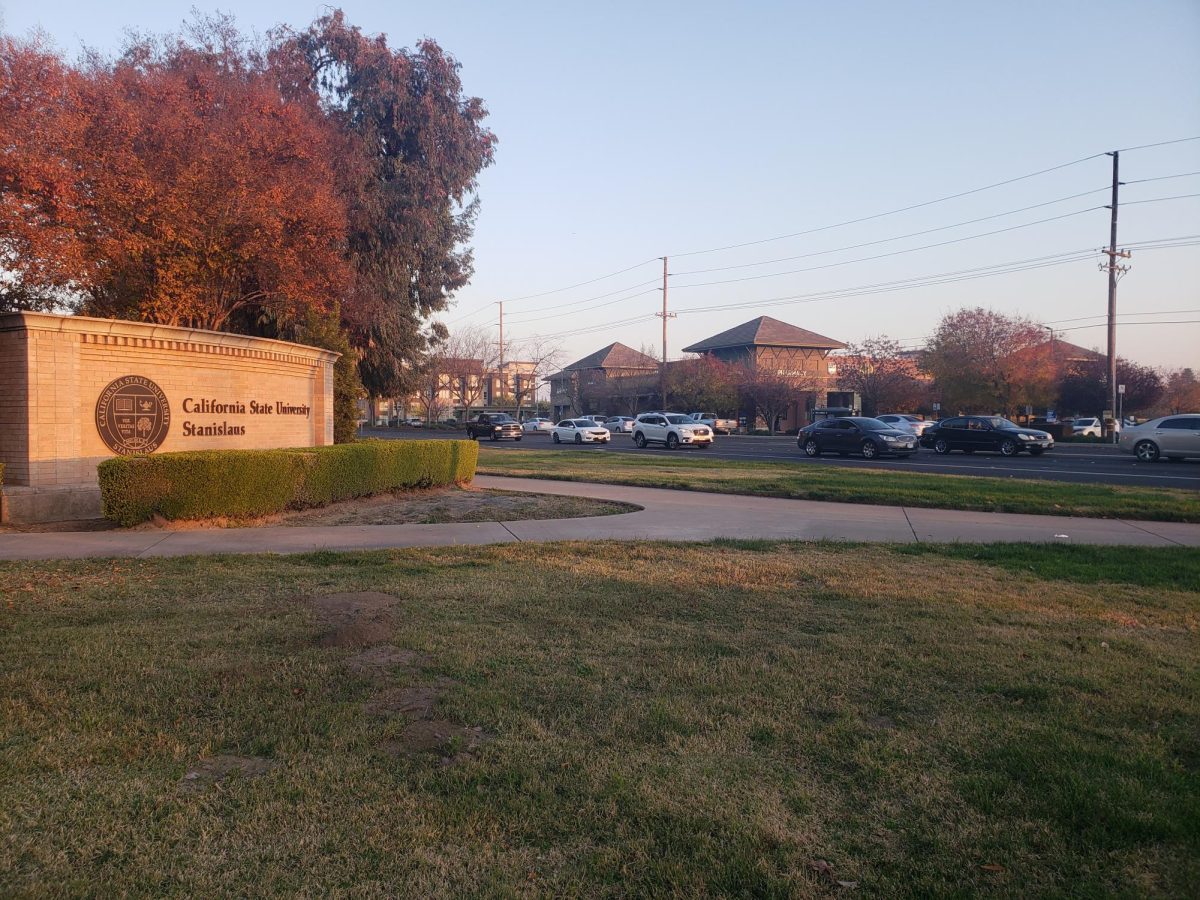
(665, 515)
(1080, 463)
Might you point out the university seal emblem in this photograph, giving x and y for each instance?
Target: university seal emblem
(132, 415)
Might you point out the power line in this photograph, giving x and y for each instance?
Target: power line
(893, 212)
(914, 342)
(1160, 199)
(898, 237)
(1160, 312)
(577, 312)
(591, 329)
(1124, 324)
(901, 284)
(894, 252)
(1159, 144)
(560, 290)
(925, 280)
(1162, 178)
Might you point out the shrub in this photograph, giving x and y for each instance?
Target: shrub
(244, 483)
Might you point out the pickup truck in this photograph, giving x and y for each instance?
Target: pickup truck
(494, 426)
(720, 426)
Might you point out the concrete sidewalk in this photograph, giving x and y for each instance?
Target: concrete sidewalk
(666, 515)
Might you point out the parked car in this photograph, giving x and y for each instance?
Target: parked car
(622, 424)
(671, 429)
(718, 425)
(532, 426)
(1085, 427)
(415, 422)
(598, 420)
(1175, 437)
(856, 434)
(906, 421)
(494, 426)
(450, 420)
(972, 433)
(579, 431)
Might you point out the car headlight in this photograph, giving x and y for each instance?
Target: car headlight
(888, 438)
(1025, 437)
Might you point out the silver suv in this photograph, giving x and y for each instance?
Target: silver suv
(671, 429)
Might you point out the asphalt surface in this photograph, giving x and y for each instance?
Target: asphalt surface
(1078, 463)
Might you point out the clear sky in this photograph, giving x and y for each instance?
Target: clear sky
(630, 130)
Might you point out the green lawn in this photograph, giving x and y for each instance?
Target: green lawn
(747, 718)
(811, 481)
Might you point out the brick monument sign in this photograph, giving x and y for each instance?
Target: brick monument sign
(75, 391)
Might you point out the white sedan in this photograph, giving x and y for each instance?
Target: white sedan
(906, 422)
(623, 424)
(530, 426)
(580, 431)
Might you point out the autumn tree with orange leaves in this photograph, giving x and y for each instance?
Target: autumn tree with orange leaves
(187, 190)
(43, 199)
(206, 180)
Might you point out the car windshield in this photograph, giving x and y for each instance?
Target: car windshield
(502, 420)
(680, 420)
(873, 424)
(1000, 423)
(911, 418)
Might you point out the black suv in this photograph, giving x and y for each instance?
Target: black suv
(494, 426)
(971, 433)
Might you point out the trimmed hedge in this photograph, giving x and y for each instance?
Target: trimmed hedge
(207, 484)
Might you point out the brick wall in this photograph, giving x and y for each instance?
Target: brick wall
(54, 368)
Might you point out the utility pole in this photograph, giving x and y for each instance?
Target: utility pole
(1115, 270)
(501, 348)
(662, 376)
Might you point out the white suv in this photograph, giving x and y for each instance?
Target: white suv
(671, 429)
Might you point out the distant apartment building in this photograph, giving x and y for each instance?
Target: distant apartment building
(615, 380)
(457, 387)
(769, 347)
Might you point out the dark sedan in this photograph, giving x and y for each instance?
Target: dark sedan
(855, 434)
(994, 433)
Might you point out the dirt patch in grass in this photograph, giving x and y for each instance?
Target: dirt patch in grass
(415, 702)
(453, 742)
(357, 619)
(384, 659)
(365, 619)
(208, 772)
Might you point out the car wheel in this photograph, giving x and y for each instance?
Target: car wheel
(640, 440)
(812, 448)
(1146, 451)
(495, 437)
(556, 438)
(579, 438)
(672, 442)
(869, 450)
(516, 439)
(1008, 447)
(940, 446)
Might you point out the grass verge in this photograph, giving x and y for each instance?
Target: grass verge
(749, 718)
(809, 481)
